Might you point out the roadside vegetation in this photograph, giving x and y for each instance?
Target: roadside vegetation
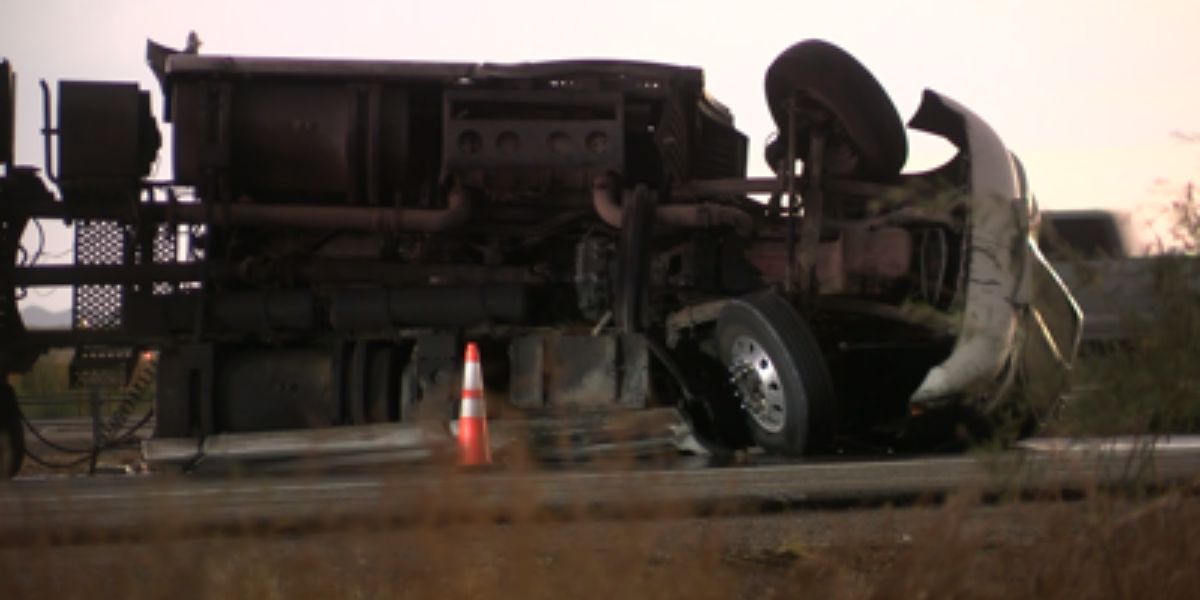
(48, 376)
(1149, 384)
(45, 390)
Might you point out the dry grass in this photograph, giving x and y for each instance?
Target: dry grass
(1104, 546)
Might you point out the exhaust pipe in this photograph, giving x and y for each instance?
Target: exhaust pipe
(676, 216)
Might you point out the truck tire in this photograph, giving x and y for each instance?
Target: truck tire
(834, 79)
(12, 436)
(778, 374)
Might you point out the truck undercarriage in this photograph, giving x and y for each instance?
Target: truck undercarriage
(334, 231)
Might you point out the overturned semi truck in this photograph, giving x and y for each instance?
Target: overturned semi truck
(334, 231)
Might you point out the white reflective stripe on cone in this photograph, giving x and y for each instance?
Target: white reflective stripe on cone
(472, 377)
(473, 407)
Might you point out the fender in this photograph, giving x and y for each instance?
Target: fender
(998, 228)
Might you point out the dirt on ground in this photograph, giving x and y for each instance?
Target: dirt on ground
(1102, 546)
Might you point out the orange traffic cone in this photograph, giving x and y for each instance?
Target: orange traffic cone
(473, 445)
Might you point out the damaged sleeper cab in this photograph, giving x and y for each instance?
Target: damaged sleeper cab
(336, 230)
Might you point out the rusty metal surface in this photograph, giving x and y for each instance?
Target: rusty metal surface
(556, 130)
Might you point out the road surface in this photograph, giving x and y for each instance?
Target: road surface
(81, 509)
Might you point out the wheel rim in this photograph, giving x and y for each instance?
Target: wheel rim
(756, 383)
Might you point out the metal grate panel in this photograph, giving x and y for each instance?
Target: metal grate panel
(99, 306)
(166, 251)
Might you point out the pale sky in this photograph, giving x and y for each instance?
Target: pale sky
(1088, 93)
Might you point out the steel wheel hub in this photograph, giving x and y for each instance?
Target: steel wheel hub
(756, 383)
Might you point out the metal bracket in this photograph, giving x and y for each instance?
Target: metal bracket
(47, 132)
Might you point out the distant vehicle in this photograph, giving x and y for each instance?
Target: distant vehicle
(335, 230)
(1084, 234)
(1117, 286)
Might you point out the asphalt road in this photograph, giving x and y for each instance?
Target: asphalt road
(80, 509)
